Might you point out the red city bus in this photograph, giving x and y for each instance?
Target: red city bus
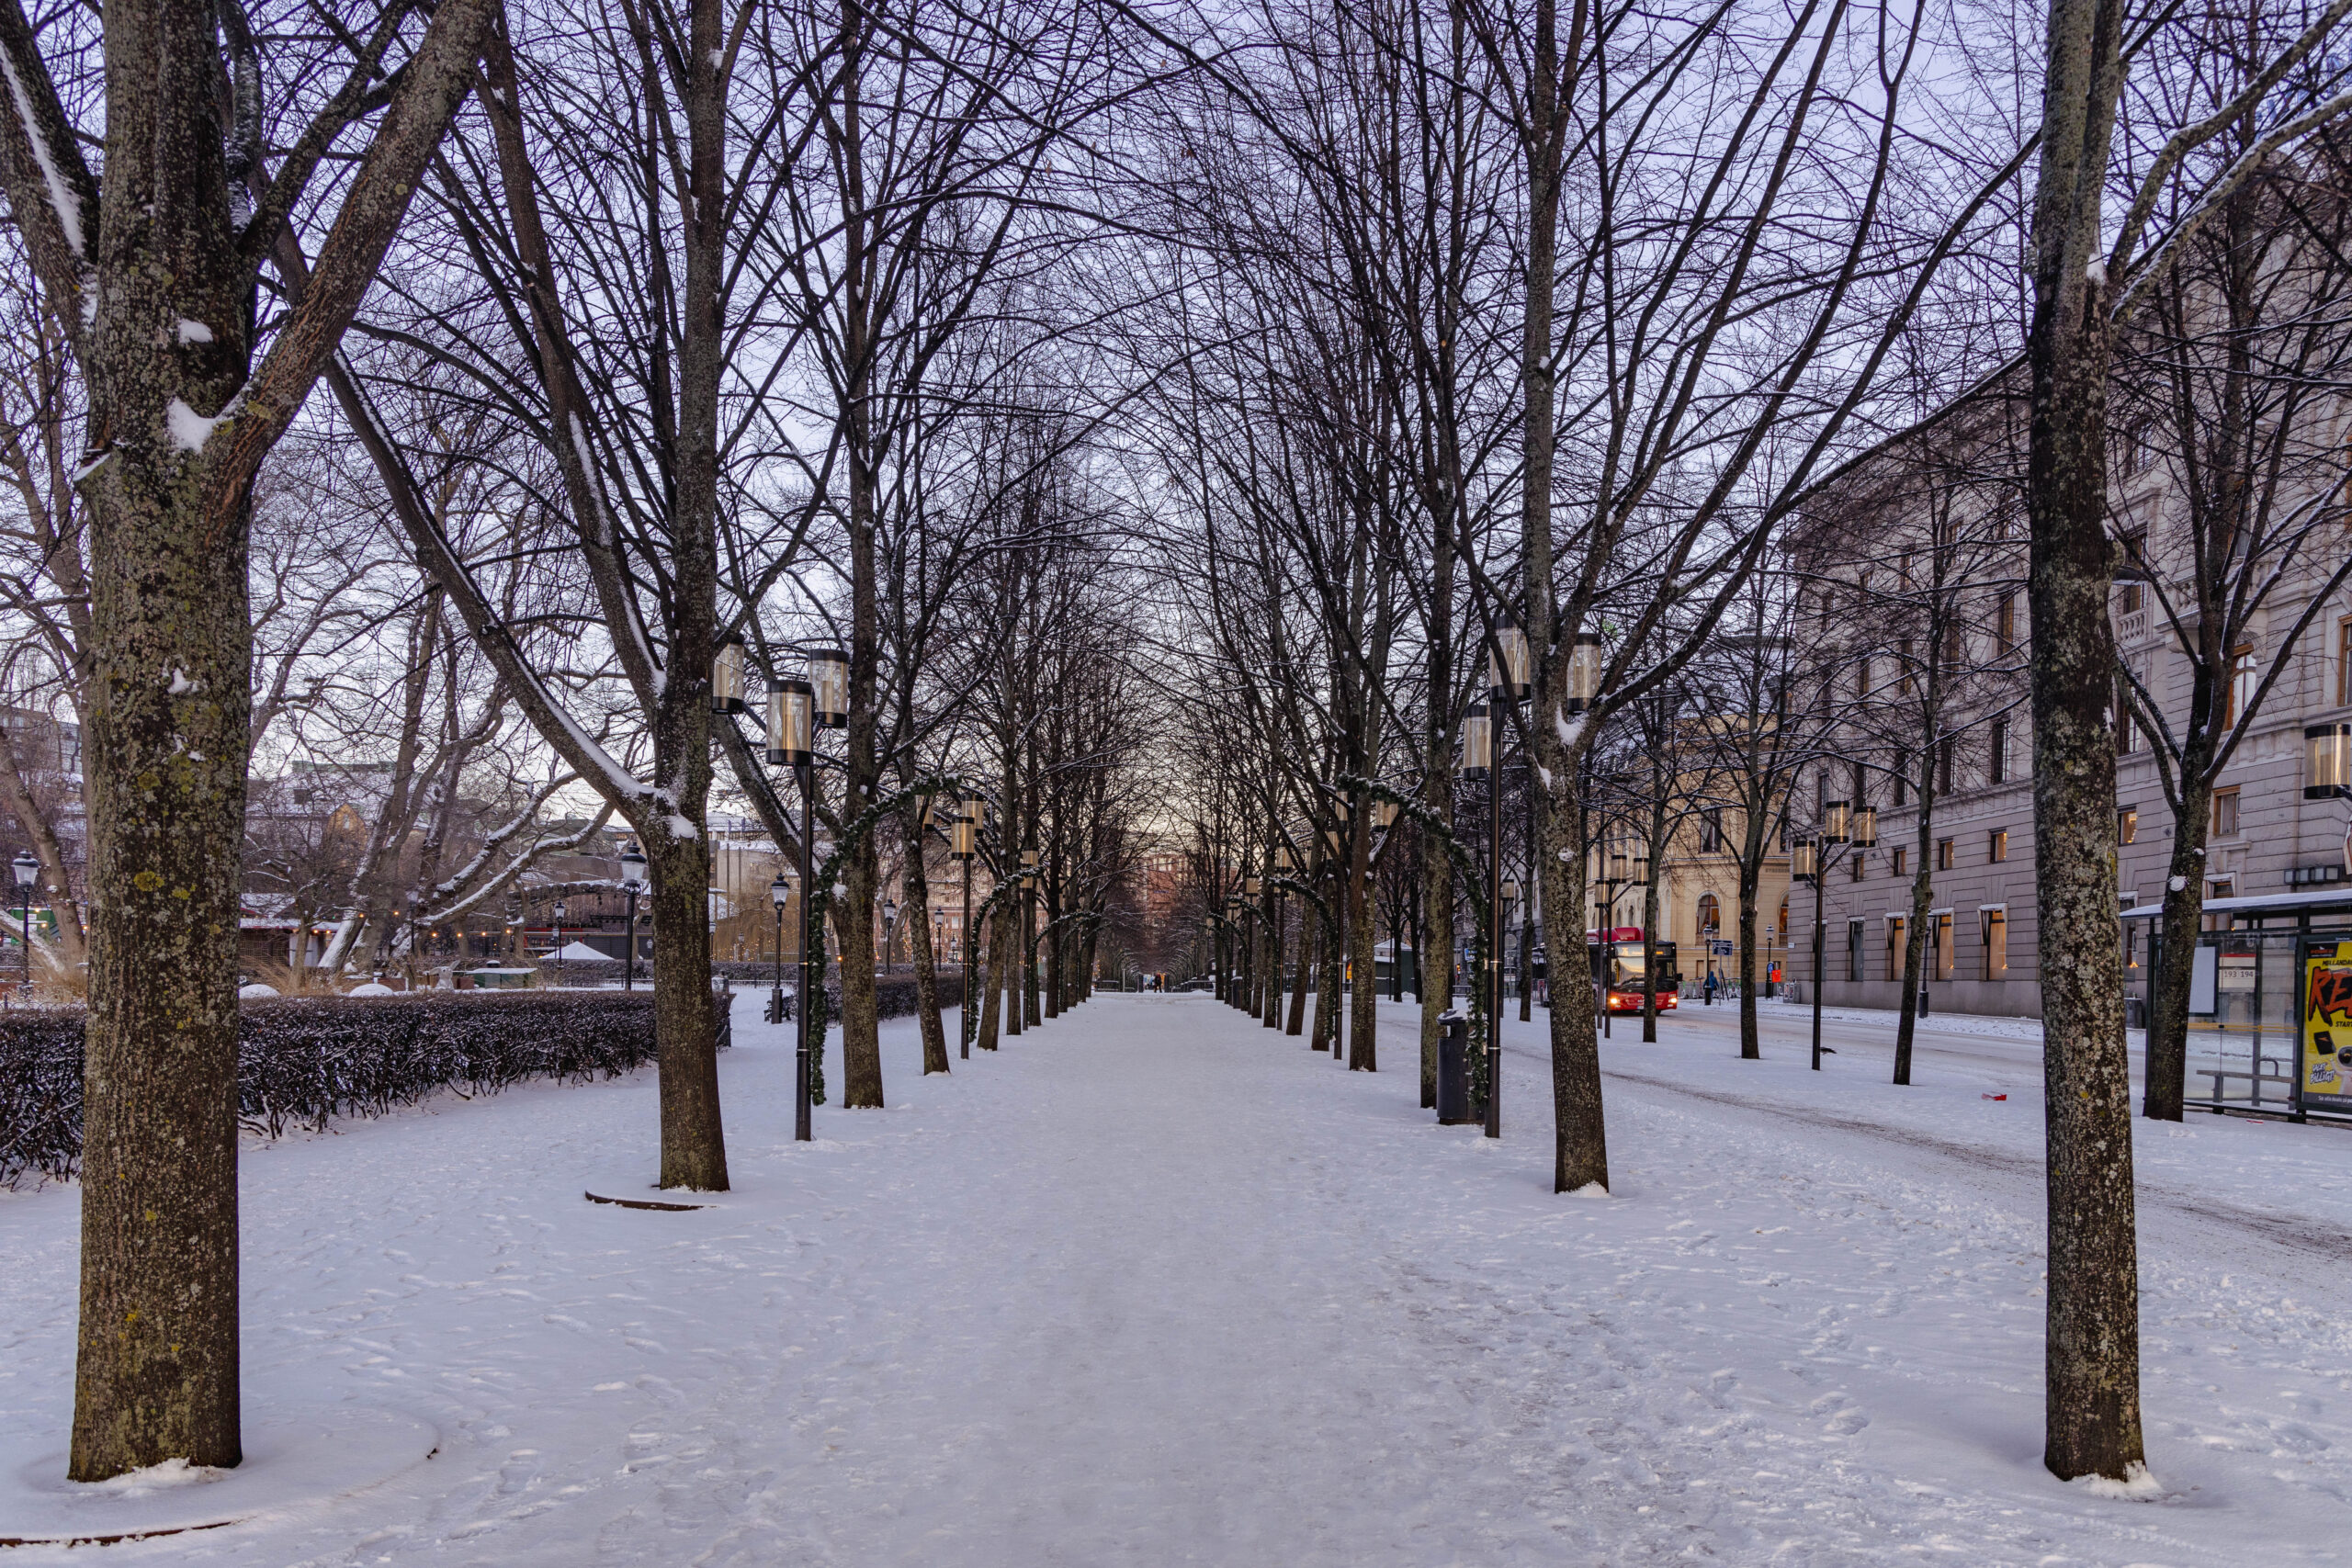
(1617, 962)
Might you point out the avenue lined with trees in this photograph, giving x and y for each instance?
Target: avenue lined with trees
(1308, 500)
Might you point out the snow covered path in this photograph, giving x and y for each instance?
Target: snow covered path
(1154, 1286)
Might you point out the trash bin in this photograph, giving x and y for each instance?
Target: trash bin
(1452, 1069)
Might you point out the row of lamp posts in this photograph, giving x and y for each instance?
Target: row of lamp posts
(798, 707)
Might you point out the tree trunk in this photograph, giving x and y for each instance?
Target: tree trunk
(1298, 1024)
(2092, 1359)
(1580, 1150)
(1751, 1047)
(2176, 955)
(994, 968)
(1364, 1017)
(1274, 1019)
(861, 1008)
(1326, 986)
(1435, 975)
(1915, 942)
(164, 783)
(693, 1151)
(916, 909)
(167, 708)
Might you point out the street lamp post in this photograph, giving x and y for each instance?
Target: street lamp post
(560, 970)
(1478, 764)
(1842, 827)
(632, 882)
(26, 870)
(1282, 868)
(963, 845)
(1030, 871)
(792, 743)
(889, 933)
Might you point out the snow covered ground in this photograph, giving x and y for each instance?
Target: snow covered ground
(1155, 1286)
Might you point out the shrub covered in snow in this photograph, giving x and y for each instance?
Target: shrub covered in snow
(301, 1062)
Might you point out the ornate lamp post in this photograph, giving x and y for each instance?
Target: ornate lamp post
(1841, 827)
(560, 960)
(632, 882)
(26, 870)
(889, 933)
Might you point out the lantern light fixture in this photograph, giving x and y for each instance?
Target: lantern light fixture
(633, 869)
(1383, 814)
(790, 718)
(964, 833)
(1506, 665)
(1510, 890)
(780, 890)
(26, 870)
(1866, 828)
(1584, 671)
(727, 675)
(1282, 860)
(2329, 747)
(1477, 743)
(1804, 859)
(829, 679)
(1837, 821)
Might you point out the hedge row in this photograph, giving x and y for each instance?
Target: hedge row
(302, 1062)
(897, 990)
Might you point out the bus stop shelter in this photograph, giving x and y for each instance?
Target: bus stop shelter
(2269, 1000)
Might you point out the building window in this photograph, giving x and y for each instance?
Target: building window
(1996, 845)
(2004, 624)
(2241, 686)
(1711, 831)
(1860, 861)
(1784, 916)
(1944, 749)
(1946, 857)
(1997, 765)
(2130, 598)
(1902, 776)
(2127, 734)
(1895, 953)
(1853, 950)
(1711, 918)
(1903, 664)
(1942, 933)
(1995, 931)
(1902, 862)
(2225, 813)
(2344, 662)
(2127, 824)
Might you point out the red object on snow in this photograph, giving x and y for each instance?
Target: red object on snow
(1995, 1096)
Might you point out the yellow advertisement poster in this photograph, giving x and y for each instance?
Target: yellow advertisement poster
(2328, 1019)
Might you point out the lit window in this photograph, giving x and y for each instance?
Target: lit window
(1946, 857)
(1902, 863)
(1996, 845)
(2127, 824)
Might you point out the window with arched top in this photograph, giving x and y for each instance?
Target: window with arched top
(1710, 915)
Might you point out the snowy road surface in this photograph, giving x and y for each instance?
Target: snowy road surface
(1154, 1286)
